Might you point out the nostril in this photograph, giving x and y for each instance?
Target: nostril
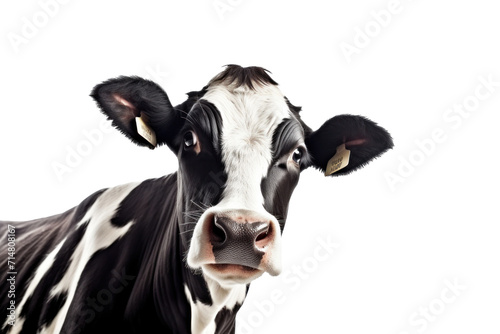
(262, 239)
(218, 234)
(262, 235)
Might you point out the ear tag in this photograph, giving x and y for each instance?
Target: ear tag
(145, 131)
(338, 161)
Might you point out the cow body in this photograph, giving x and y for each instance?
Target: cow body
(177, 254)
(101, 263)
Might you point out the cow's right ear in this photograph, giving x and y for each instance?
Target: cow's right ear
(346, 143)
(140, 109)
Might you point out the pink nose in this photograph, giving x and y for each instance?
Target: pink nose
(240, 238)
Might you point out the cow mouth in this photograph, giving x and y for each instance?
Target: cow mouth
(235, 273)
(228, 267)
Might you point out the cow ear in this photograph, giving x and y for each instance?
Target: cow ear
(363, 138)
(140, 109)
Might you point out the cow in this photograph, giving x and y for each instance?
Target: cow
(177, 254)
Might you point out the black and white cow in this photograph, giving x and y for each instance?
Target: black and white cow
(177, 254)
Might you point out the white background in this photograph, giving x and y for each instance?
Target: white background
(398, 246)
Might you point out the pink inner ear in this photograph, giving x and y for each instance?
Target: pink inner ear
(122, 101)
(355, 142)
(131, 110)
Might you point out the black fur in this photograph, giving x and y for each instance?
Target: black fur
(243, 76)
(144, 98)
(370, 141)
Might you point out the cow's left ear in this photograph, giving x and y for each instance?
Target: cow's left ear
(140, 109)
(364, 140)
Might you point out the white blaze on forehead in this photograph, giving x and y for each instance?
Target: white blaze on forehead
(249, 118)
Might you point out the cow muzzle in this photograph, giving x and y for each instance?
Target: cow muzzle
(237, 242)
(236, 245)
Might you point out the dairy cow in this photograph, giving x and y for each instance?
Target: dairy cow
(176, 254)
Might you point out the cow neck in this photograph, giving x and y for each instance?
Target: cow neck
(172, 274)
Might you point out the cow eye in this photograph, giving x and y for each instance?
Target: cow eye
(190, 139)
(297, 156)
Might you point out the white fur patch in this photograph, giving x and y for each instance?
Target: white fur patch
(203, 316)
(99, 234)
(40, 272)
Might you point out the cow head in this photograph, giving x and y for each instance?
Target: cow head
(241, 147)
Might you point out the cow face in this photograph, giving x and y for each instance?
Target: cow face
(241, 147)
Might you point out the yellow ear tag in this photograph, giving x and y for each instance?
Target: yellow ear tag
(145, 131)
(338, 161)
